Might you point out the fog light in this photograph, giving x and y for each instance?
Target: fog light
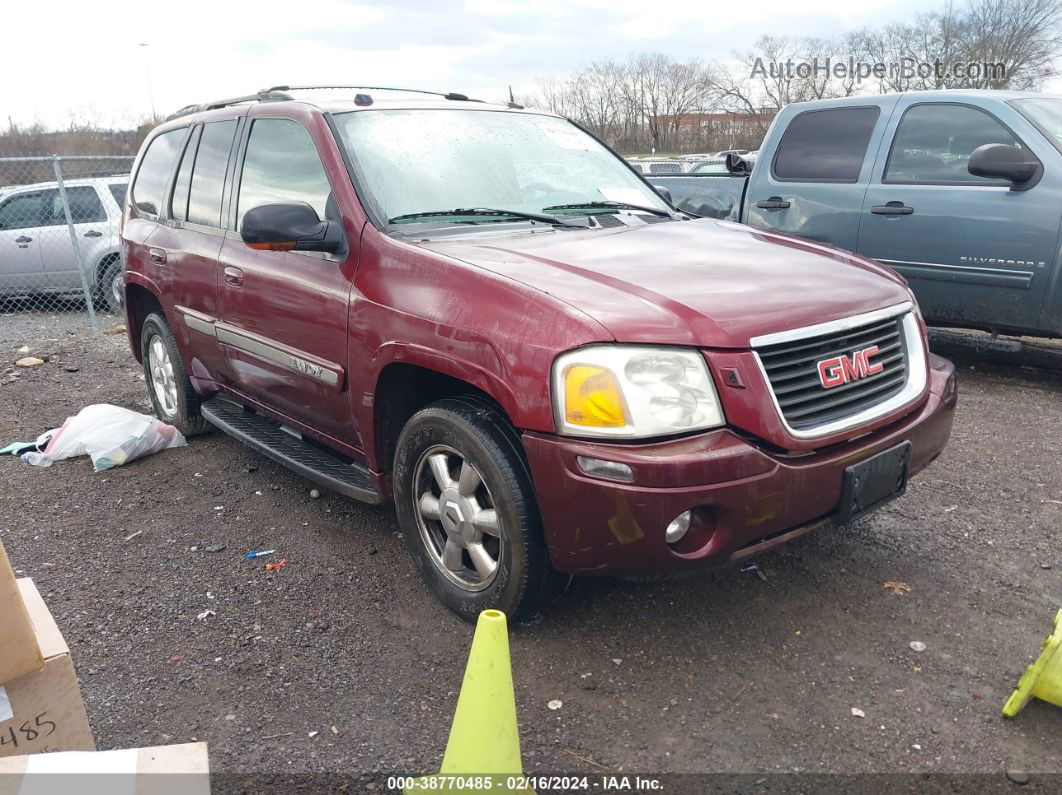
(678, 527)
(950, 388)
(613, 470)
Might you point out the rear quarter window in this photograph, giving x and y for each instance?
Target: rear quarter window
(153, 176)
(118, 190)
(825, 145)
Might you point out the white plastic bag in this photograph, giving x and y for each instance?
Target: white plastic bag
(109, 434)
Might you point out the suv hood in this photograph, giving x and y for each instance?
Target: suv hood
(706, 283)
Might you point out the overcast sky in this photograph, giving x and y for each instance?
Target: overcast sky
(66, 58)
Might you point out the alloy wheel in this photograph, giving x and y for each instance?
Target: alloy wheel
(457, 519)
(163, 379)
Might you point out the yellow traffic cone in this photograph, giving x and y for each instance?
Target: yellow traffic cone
(1042, 679)
(484, 737)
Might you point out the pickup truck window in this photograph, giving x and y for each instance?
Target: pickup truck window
(152, 177)
(1046, 116)
(410, 161)
(934, 141)
(208, 175)
(281, 165)
(825, 145)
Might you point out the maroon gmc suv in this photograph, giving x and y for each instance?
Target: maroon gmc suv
(483, 313)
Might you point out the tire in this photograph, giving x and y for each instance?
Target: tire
(110, 293)
(435, 520)
(172, 395)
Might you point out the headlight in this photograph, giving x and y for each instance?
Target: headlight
(628, 392)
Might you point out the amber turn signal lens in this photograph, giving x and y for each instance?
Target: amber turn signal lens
(592, 397)
(288, 245)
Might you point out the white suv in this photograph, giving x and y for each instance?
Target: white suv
(37, 255)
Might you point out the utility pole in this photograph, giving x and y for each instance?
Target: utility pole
(147, 74)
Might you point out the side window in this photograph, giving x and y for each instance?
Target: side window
(149, 187)
(85, 206)
(933, 144)
(208, 176)
(825, 145)
(118, 191)
(179, 200)
(281, 165)
(21, 211)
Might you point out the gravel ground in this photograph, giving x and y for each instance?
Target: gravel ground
(342, 661)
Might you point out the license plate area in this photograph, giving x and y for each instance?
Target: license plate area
(872, 483)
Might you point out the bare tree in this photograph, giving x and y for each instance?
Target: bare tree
(983, 44)
(652, 101)
(1023, 35)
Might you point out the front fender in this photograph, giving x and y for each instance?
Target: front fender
(457, 367)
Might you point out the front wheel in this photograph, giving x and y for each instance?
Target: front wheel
(176, 402)
(468, 511)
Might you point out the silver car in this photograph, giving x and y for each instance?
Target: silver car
(37, 254)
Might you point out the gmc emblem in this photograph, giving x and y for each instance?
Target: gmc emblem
(844, 369)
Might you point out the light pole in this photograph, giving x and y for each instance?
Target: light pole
(147, 74)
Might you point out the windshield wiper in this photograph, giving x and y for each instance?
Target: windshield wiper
(482, 211)
(609, 206)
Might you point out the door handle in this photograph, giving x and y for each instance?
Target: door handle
(773, 203)
(233, 276)
(93, 233)
(23, 239)
(157, 255)
(892, 208)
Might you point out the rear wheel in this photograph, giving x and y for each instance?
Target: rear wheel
(111, 288)
(468, 511)
(172, 395)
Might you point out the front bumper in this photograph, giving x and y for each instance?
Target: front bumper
(745, 498)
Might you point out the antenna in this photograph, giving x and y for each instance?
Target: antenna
(512, 100)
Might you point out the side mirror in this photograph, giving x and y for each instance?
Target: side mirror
(736, 164)
(290, 226)
(999, 161)
(665, 194)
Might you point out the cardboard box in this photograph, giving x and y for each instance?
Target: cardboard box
(19, 652)
(42, 710)
(162, 770)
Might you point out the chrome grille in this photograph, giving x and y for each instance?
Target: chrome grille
(792, 369)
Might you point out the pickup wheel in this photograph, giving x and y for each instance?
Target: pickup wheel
(172, 395)
(467, 509)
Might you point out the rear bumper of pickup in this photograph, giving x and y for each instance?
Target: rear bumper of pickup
(744, 498)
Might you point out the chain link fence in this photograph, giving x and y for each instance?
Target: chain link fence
(59, 247)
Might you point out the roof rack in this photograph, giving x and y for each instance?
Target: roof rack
(281, 93)
(266, 95)
(452, 95)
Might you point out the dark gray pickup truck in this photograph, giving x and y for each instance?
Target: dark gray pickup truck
(959, 191)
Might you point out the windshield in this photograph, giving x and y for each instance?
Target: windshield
(429, 161)
(1046, 114)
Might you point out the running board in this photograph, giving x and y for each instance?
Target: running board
(287, 448)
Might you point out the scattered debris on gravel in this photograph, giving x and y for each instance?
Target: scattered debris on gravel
(177, 637)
